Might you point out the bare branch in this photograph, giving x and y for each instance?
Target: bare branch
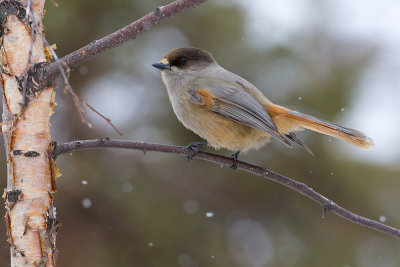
(108, 120)
(328, 205)
(49, 73)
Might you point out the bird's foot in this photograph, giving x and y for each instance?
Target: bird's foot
(195, 148)
(234, 157)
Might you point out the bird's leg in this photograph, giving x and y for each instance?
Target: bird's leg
(234, 157)
(195, 148)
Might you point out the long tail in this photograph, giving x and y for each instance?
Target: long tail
(287, 120)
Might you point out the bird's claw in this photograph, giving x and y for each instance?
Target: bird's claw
(195, 148)
(234, 158)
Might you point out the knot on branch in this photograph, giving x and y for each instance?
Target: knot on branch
(53, 224)
(157, 11)
(13, 195)
(52, 148)
(326, 208)
(31, 79)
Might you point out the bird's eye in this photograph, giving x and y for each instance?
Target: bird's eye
(181, 61)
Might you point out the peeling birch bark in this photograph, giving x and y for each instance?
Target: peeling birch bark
(30, 215)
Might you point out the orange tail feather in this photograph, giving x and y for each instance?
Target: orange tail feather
(288, 120)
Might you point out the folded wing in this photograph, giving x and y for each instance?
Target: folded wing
(237, 105)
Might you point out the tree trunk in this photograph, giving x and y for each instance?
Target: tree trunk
(30, 215)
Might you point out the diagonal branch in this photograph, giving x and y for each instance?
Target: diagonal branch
(301, 188)
(47, 74)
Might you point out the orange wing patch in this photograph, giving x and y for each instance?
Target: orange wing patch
(208, 97)
(275, 110)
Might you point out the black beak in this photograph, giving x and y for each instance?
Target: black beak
(162, 66)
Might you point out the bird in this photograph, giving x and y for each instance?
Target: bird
(229, 112)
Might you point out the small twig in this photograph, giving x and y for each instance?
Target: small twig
(54, 3)
(301, 188)
(104, 117)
